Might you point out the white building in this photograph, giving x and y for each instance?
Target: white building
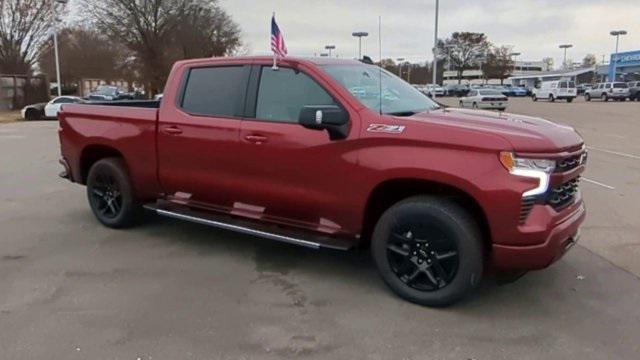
(475, 76)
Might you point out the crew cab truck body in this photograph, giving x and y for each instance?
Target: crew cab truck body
(336, 153)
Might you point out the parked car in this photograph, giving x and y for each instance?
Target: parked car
(517, 91)
(33, 112)
(501, 89)
(618, 91)
(556, 90)
(315, 154)
(458, 90)
(634, 90)
(434, 89)
(53, 107)
(485, 99)
(582, 88)
(108, 93)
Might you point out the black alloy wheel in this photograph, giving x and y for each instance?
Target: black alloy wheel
(106, 195)
(422, 257)
(111, 195)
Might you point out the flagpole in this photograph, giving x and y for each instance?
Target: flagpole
(275, 56)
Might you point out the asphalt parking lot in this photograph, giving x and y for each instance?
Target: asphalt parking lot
(72, 289)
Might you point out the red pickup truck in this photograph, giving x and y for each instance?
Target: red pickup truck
(336, 153)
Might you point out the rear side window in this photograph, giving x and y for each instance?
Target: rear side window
(215, 91)
(620, 85)
(284, 92)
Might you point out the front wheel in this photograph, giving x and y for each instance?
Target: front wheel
(552, 98)
(111, 194)
(605, 97)
(587, 97)
(569, 100)
(534, 97)
(428, 250)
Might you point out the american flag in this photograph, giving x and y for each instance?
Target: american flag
(278, 46)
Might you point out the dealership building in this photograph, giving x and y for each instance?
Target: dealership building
(626, 66)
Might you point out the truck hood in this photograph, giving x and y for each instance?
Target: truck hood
(525, 133)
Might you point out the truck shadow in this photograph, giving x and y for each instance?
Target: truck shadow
(354, 268)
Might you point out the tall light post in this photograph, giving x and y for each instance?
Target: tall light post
(360, 35)
(617, 34)
(515, 55)
(435, 48)
(565, 47)
(400, 60)
(54, 22)
(330, 48)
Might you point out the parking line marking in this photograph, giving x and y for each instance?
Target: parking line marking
(598, 183)
(632, 156)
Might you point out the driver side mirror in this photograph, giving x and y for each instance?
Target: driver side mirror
(326, 117)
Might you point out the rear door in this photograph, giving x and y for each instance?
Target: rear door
(296, 176)
(198, 135)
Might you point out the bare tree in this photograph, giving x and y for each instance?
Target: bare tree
(498, 64)
(24, 26)
(84, 53)
(150, 29)
(589, 60)
(463, 50)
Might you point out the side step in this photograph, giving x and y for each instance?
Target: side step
(297, 237)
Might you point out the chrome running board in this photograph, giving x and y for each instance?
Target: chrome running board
(272, 232)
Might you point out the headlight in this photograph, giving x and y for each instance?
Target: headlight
(540, 169)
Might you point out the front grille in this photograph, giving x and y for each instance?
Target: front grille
(571, 162)
(525, 208)
(563, 195)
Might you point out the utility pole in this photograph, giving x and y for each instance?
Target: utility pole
(435, 48)
(54, 28)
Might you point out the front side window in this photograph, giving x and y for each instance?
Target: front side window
(215, 91)
(284, 92)
(380, 90)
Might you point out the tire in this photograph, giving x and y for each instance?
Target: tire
(605, 98)
(569, 99)
(552, 98)
(587, 97)
(111, 195)
(534, 97)
(32, 115)
(502, 109)
(428, 250)
(460, 103)
(475, 106)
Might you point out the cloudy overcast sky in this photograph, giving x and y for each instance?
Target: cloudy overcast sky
(533, 27)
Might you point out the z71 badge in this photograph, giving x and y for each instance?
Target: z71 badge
(382, 128)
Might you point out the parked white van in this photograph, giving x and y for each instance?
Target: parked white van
(556, 90)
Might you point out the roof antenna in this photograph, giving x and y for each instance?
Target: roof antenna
(380, 54)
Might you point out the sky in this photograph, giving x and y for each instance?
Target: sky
(534, 28)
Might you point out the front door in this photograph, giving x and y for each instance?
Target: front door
(198, 137)
(296, 176)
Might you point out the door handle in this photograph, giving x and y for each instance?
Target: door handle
(256, 139)
(172, 130)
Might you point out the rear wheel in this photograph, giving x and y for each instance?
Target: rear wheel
(605, 97)
(475, 105)
(552, 98)
(32, 115)
(428, 250)
(569, 99)
(587, 97)
(534, 97)
(111, 195)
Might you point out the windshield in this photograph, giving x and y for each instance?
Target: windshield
(363, 81)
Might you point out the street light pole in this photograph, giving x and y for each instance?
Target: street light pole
(360, 35)
(617, 34)
(435, 48)
(565, 47)
(330, 47)
(400, 60)
(55, 42)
